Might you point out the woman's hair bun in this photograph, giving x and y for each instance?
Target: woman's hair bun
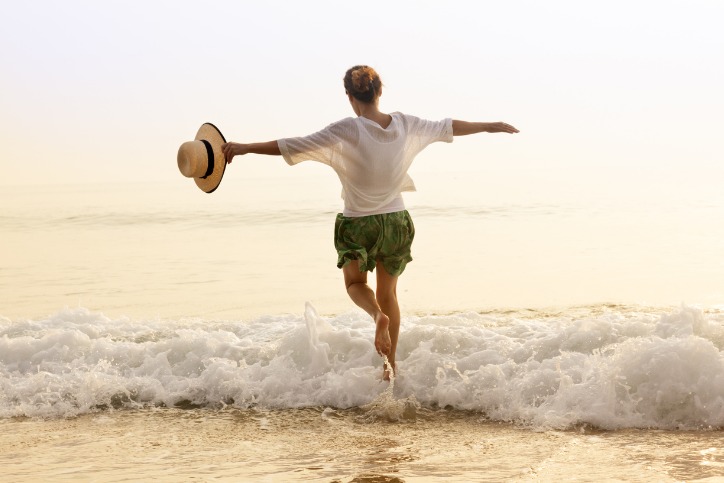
(363, 83)
(362, 78)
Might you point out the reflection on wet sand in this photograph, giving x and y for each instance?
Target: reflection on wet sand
(320, 444)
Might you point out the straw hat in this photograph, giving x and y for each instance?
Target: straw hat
(202, 158)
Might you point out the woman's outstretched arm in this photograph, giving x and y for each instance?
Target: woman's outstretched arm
(236, 149)
(463, 128)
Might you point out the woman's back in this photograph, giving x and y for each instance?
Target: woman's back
(371, 161)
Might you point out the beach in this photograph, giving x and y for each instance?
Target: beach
(338, 445)
(131, 351)
(563, 315)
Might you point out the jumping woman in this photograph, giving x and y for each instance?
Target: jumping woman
(371, 154)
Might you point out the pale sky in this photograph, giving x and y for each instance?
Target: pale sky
(106, 91)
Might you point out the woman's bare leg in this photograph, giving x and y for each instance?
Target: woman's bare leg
(362, 295)
(387, 298)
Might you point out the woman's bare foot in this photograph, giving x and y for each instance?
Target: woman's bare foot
(383, 344)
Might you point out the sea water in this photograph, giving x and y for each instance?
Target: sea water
(264, 247)
(603, 366)
(537, 332)
(593, 393)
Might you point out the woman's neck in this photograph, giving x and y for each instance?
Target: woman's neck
(373, 113)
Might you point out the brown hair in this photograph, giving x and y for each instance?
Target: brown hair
(363, 83)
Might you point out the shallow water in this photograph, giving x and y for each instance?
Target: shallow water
(547, 333)
(264, 247)
(318, 444)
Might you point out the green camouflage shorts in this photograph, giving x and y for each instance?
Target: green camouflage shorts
(387, 238)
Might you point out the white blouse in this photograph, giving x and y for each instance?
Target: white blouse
(371, 162)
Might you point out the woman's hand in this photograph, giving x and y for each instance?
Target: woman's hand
(232, 149)
(501, 127)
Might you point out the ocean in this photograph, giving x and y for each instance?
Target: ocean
(549, 331)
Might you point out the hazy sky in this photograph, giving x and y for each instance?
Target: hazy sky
(106, 91)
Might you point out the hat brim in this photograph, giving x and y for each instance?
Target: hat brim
(210, 133)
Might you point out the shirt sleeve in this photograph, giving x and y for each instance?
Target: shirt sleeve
(433, 131)
(421, 132)
(320, 146)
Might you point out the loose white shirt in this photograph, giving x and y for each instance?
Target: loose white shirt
(370, 161)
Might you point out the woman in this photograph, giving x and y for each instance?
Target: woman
(371, 155)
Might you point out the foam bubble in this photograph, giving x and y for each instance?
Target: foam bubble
(608, 367)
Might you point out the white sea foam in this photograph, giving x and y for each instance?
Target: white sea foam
(608, 367)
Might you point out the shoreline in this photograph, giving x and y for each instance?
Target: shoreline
(337, 445)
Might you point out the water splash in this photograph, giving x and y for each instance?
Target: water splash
(605, 366)
(387, 407)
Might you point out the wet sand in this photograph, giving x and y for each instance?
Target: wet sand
(342, 446)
